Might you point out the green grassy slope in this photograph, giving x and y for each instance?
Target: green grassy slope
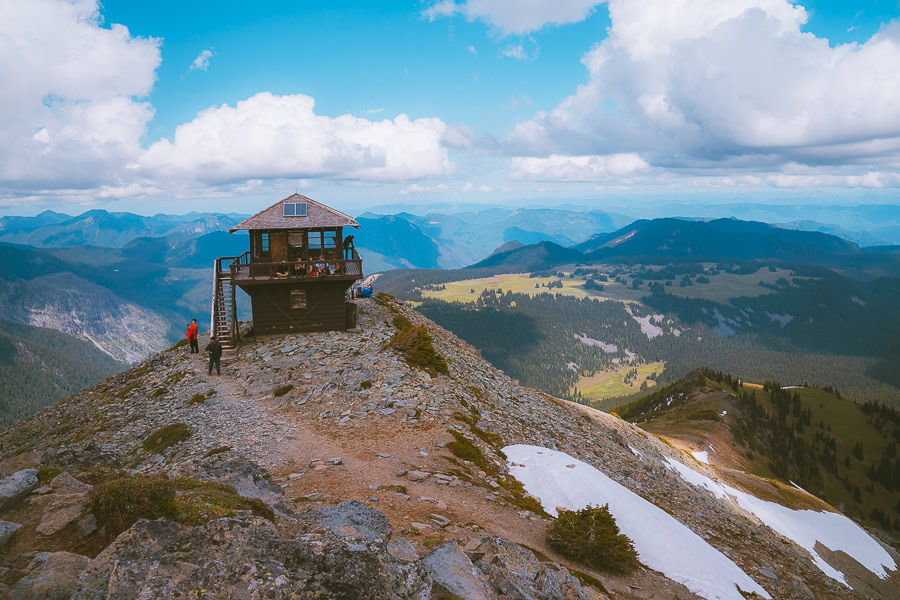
(842, 451)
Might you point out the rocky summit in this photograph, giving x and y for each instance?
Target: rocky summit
(344, 465)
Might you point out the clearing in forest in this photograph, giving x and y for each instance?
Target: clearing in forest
(617, 383)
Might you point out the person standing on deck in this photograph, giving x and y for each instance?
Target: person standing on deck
(192, 337)
(215, 355)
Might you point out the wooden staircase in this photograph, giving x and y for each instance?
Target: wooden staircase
(223, 316)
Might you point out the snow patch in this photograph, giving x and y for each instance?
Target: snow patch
(804, 527)
(648, 328)
(701, 456)
(858, 300)
(636, 452)
(676, 332)
(663, 543)
(608, 348)
(782, 320)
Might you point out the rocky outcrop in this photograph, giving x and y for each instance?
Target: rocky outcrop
(246, 558)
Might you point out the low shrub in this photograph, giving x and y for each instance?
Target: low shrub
(366, 384)
(281, 390)
(197, 398)
(166, 437)
(592, 537)
(160, 391)
(120, 503)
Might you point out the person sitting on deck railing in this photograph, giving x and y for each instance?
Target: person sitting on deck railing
(322, 266)
(299, 268)
(281, 270)
(314, 272)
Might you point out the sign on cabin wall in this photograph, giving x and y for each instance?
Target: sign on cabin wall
(298, 298)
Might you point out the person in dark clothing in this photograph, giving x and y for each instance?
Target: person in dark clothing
(215, 354)
(192, 337)
(348, 247)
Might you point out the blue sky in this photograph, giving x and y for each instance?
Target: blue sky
(506, 102)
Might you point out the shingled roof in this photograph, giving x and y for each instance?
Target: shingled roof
(317, 215)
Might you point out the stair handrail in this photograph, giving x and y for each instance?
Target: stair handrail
(212, 312)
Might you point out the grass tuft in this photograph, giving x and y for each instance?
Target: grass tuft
(166, 437)
(366, 384)
(214, 451)
(592, 537)
(197, 398)
(281, 390)
(47, 474)
(416, 346)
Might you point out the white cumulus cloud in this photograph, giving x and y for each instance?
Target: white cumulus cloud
(576, 168)
(269, 136)
(515, 16)
(202, 60)
(699, 84)
(71, 113)
(415, 188)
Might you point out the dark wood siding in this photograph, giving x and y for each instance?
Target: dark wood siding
(272, 312)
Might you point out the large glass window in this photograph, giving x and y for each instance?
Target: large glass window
(315, 240)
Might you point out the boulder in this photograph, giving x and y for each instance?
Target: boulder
(7, 530)
(245, 557)
(352, 519)
(50, 576)
(454, 573)
(16, 486)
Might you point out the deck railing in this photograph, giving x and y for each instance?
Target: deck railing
(242, 269)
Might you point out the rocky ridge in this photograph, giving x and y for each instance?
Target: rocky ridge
(352, 448)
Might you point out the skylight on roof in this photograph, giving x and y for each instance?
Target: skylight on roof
(295, 209)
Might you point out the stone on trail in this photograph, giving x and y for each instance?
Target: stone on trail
(402, 549)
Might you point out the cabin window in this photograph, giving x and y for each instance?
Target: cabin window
(260, 245)
(330, 239)
(295, 239)
(298, 298)
(315, 240)
(294, 209)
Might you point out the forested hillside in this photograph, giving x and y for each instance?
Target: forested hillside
(38, 366)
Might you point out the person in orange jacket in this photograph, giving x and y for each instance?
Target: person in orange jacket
(192, 337)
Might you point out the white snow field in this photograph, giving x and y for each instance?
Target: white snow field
(701, 456)
(662, 542)
(804, 527)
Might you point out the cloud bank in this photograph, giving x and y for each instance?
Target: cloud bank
(711, 84)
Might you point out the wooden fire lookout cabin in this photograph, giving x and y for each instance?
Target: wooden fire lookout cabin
(297, 272)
